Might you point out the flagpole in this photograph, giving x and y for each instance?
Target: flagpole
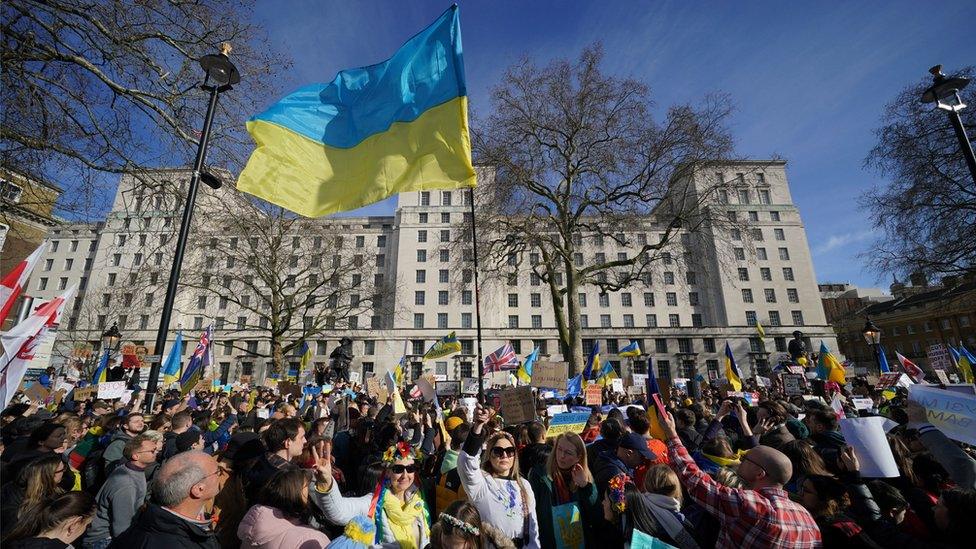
(477, 302)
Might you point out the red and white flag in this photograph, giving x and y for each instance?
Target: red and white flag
(15, 282)
(910, 368)
(502, 359)
(20, 343)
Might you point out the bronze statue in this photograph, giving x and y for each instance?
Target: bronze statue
(797, 347)
(340, 359)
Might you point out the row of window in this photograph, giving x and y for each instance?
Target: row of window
(774, 319)
(69, 264)
(757, 234)
(766, 274)
(447, 198)
(929, 326)
(72, 246)
(142, 239)
(791, 295)
(761, 255)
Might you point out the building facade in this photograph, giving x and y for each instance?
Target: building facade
(707, 289)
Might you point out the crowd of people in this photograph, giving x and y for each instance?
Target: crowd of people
(262, 468)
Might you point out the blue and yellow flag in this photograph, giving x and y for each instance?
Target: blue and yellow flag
(306, 356)
(828, 363)
(607, 373)
(883, 361)
(964, 362)
(171, 368)
(574, 385)
(524, 372)
(101, 373)
(592, 361)
(631, 350)
(393, 127)
(760, 330)
(731, 370)
(447, 345)
(652, 388)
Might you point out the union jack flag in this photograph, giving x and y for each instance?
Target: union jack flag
(201, 358)
(502, 359)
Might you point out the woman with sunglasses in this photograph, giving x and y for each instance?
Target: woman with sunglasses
(493, 484)
(563, 483)
(396, 505)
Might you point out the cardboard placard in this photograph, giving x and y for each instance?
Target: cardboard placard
(617, 385)
(635, 390)
(111, 389)
(83, 393)
(36, 392)
(939, 359)
(290, 388)
(793, 384)
(425, 384)
(763, 381)
(594, 395)
(469, 386)
(943, 378)
(571, 422)
(517, 405)
(373, 387)
(550, 375)
(448, 388)
(888, 380)
(639, 379)
(203, 385)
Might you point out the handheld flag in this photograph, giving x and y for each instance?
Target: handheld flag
(194, 369)
(448, 345)
(657, 429)
(503, 358)
(393, 127)
(631, 350)
(592, 361)
(760, 331)
(731, 370)
(909, 367)
(171, 368)
(398, 370)
(883, 360)
(607, 373)
(525, 370)
(16, 280)
(306, 357)
(965, 362)
(101, 372)
(828, 363)
(574, 386)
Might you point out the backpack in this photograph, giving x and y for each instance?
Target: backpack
(92, 471)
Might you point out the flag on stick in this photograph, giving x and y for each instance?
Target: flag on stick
(631, 350)
(171, 368)
(447, 345)
(525, 369)
(828, 363)
(16, 280)
(198, 361)
(910, 367)
(503, 358)
(731, 370)
(592, 362)
(651, 387)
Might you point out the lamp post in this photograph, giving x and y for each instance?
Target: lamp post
(221, 75)
(872, 336)
(944, 92)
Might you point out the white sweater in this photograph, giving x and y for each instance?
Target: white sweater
(499, 501)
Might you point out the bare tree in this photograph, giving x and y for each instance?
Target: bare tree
(283, 280)
(94, 88)
(579, 159)
(928, 210)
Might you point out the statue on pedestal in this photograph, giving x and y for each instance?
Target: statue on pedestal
(340, 359)
(797, 347)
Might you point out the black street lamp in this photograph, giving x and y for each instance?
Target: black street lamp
(221, 75)
(111, 339)
(872, 336)
(944, 92)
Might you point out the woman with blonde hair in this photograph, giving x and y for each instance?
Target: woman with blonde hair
(492, 482)
(38, 482)
(656, 513)
(562, 486)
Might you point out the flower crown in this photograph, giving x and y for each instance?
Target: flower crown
(617, 493)
(400, 450)
(460, 524)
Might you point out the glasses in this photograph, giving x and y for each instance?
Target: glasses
(400, 469)
(503, 451)
(746, 458)
(217, 472)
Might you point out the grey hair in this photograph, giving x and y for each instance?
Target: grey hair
(176, 477)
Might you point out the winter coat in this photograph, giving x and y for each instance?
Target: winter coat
(37, 543)
(118, 500)
(113, 452)
(585, 499)
(158, 528)
(267, 528)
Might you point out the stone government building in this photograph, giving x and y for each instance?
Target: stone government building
(706, 291)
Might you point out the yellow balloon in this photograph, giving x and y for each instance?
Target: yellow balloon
(802, 361)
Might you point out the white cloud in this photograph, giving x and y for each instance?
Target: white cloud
(840, 240)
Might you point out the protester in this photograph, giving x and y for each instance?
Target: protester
(279, 518)
(185, 485)
(492, 482)
(123, 493)
(44, 440)
(628, 510)
(52, 524)
(133, 425)
(565, 481)
(285, 440)
(39, 481)
(760, 516)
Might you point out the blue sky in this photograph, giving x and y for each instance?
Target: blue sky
(809, 79)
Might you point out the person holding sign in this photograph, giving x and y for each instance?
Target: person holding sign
(493, 484)
(565, 495)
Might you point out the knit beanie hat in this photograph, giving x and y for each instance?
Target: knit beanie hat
(359, 534)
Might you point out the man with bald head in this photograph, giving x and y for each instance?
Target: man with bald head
(175, 517)
(761, 515)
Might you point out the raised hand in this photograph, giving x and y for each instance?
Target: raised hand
(724, 409)
(847, 460)
(322, 457)
(579, 475)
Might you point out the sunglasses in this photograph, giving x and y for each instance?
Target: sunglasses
(400, 469)
(503, 451)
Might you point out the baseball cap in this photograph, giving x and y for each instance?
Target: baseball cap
(633, 441)
(452, 423)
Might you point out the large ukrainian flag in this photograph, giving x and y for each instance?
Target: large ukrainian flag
(397, 126)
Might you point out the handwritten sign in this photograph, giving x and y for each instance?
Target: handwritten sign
(793, 384)
(889, 380)
(594, 395)
(943, 378)
(763, 381)
(938, 356)
(517, 405)
(36, 392)
(639, 379)
(571, 422)
(448, 388)
(84, 393)
(635, 390)
(950, 412)
(550, 375)
(862, 403)
(617, 385)
(111, 389)
(353, 377)
(469, 386)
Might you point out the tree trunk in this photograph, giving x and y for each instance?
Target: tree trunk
(277, 357)
(575, 345)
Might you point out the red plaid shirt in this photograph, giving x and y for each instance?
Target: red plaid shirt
(750, 518)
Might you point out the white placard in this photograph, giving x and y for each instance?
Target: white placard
(862, 403)
(617, 385)
(354, 377)
(867, 436)
(639, 379)
(111, 389)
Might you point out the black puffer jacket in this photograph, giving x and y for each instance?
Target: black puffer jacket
(157, 528)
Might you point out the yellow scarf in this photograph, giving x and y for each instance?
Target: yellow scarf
(403, 520)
